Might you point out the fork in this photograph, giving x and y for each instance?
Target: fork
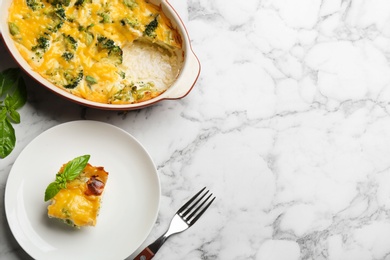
(184, 218)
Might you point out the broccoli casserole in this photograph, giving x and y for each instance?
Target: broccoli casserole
(107, 51)
(76, 193)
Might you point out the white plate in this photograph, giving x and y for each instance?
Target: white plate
(129, 206)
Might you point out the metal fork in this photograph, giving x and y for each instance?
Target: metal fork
(184, 218)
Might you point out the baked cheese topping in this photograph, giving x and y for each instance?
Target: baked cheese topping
(79, 203)
(80, 45)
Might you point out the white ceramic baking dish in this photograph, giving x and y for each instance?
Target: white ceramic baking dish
(179, 89)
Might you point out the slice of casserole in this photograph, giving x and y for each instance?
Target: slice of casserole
(78, 201)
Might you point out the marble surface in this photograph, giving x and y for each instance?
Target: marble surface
(288, 125)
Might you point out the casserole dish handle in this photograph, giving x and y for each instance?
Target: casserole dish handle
(187, 79)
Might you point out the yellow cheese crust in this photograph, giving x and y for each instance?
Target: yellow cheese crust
(75, 44)
(79, 203)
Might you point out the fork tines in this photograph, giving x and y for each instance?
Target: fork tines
(195, 207)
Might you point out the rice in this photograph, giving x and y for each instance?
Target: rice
(148, 62)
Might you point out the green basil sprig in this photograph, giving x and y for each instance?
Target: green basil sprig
(71, 171)
(13, 95)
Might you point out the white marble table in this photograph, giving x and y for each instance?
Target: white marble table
(288, 125)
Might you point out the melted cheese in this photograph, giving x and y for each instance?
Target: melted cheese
(74, 204)
(122, 21)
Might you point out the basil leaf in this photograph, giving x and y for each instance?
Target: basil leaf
(12, 86)
(7, 138)
(20, 93)
(61, 180)
(71, 170)
(3, 113)
(51, 190)
(15, 116)
(18, 97)
(75, 167)
(8, 79)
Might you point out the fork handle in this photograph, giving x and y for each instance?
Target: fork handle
(149, 252)
(146, 254)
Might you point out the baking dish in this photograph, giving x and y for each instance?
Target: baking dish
(183, 84)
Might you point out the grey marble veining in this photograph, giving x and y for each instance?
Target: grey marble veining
(288, 125)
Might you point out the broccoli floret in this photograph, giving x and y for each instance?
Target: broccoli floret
(73, 80)
(57, 26)
(130, 3)
(34, 4)
(135, 92)
(132, 23)
(60, 12)
(122, 74)
(150, 29)
(105, 43)
(59, 2)
(142, 89)
(58, 16)
(116, 57)
(115, 53)
(70, 42)
(105, 17)
(79, 3)
(67, 56)
(90, 80)
(43, 43)
(13, 28)
(85, 29)
(70, 47)
(123, 95)
(89, 38)
(87, 34)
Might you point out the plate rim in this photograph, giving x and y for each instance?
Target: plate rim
(27, 246)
